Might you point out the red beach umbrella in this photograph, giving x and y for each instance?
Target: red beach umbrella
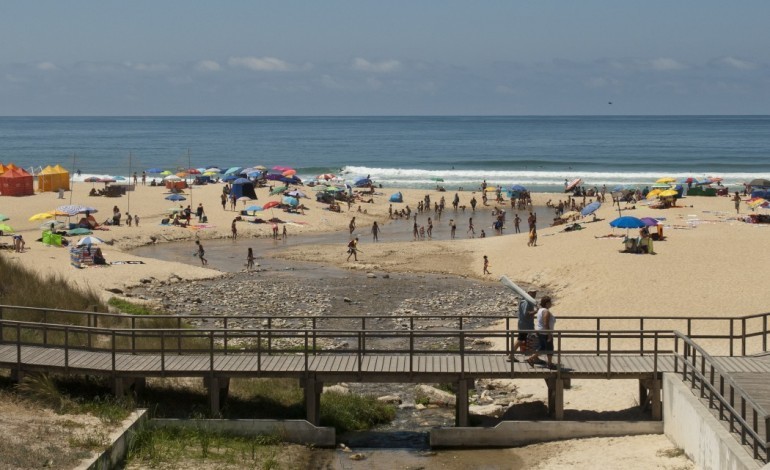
(271, 204)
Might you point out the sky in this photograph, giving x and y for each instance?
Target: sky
(394, 57)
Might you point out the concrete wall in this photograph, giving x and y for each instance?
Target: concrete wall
(119, 438)
(519, 433)
(297, 431)
(692, 427)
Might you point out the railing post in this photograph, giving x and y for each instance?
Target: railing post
(361, 340)
(113, 351)
(558, 355)
(2, 324)
(66, 349)
(764, 331)
(133, 335)
(655, 357)
(641, 336)
(314, 336)
(270, 335)
(598, 336)
(259, 351)
(306, 354)
(18, 347)
(462, 355)
(743, 336)
(179, 338)
(411, 351)
(211, 350)
(508, 339)
(732, 337)
(162, 352)
(224, 340)
(45, 329)
(609, 353)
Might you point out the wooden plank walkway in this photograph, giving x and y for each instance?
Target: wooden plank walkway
(376, 367)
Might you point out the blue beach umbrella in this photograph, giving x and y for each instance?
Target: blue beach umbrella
(234, 170)
(241, 181)
(292, 201)
(176, 197)
(155, 171)
(627, 222)
(230, 177)
(518, 188)
(254, 209)
(591, 208)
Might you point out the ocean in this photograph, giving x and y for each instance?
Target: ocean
(536, 152)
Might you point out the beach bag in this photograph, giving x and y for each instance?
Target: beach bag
(204, 219)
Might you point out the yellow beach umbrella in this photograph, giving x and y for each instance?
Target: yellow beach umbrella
(653, 194)
(490, 189)
(41, 216)
(668, 193)
(666, 179)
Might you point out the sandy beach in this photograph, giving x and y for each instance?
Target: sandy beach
(706, 266)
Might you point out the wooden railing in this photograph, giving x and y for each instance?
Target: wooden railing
(307, 343)
(743, 413)
(742, 335)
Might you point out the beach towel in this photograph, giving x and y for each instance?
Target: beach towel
(127, 262)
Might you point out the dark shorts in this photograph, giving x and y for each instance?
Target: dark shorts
(522, 336)
(544, 344)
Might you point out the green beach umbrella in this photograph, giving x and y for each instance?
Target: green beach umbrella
(79, 231)
(3, 217)
(5, 228)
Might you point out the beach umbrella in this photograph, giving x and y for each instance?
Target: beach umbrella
(281, 169)
(649, 221)
(5, 228)
(244, 199)
(325, 176)
(91, 179)
(271, 204)
(193, 171)
(230, 177)
(241, 181)
(70, 210)
(756, 202)
(289, 173)
(627, 221)
(234, 170)
(570, 214)
(490, 189)
(591, 208)
(210, 173)
(172, 178)
(296, 193)
(653, 194)
(292, 201)
(666, 179)
(40, 216)
(668, 193)
(213, 169)
(165, 173)
(275, 191)
(759, 183)
(4, 217)
(253, 208)
(79, 231)
(154, 171)
(90, 240)
(260, 167)
(176, 197)
(107, 179)
(518, 188)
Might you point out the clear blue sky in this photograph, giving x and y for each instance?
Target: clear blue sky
(362, 57)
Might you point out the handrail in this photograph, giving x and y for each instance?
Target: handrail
(689, 361)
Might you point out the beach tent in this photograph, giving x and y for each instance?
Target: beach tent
(53, 178)
(397, 197)
(243, 189)
(2, 168)
(16, 182)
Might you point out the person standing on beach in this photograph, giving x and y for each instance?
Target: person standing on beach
(275, 231)
(737, 200)
(135, 178)
(250, 260)
(129, 219)
(471, 230)
(284, 234)
(199, 212)
(201, 252)
(375, 231)
(430, 228)
(224, 201)
(532, 237)
(352, 225)
(144, 178)
(473, 204)
(486, 265)
(234, 229)
(353, 249)
(136, 220)
(415, 229)
(452, 228)
(516, 222)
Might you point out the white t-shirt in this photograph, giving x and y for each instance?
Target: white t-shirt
(540, 315)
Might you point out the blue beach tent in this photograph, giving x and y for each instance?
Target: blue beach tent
(397, 197)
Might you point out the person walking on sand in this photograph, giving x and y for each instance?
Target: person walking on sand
(353, 249)
(532, 237)
(486, 265)
(375, 231)
(275, 231)
(415, 229)
(284, 234)
(737, 200)
(516, 222)
(352, 225)
(224, 200)
(250, 260)
(234, 229)
(544, 324)
(430, 228)
(471, 230)
(452, 228)
(201, 252)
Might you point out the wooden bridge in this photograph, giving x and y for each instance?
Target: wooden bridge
(425, 349)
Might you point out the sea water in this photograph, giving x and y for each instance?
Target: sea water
(539, 152)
